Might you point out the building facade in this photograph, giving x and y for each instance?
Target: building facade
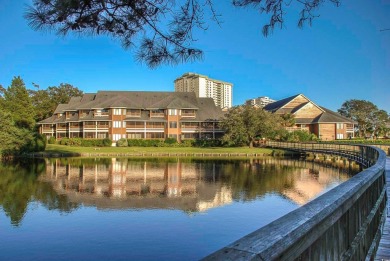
(260, 101)
(135, 115)
(204, 87)
(324, 123)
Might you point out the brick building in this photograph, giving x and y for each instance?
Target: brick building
(324, 123)
(135, 115)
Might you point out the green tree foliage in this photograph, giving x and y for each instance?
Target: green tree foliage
(369, 118)
(18, 103)
(161, 31)
(46, 101)
(11, 137)
(243, 124)
(288, 120)
(42, 104)
(19, 185)
(380, 123)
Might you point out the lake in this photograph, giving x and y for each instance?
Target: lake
(148, 209)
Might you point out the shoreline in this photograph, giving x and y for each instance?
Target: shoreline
(152, 154)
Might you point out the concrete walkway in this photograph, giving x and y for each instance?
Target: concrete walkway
(383, 252)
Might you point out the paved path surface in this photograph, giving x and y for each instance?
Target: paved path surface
(383, 252)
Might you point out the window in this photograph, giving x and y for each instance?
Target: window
(340, 126)
(102, 135)
(116, 124)
(116, 136)
(340, 136)
(137, 135)
(155, 135)
(157, 113)
(172, 112)
(133, 113)
(173, 124)
(117, 111)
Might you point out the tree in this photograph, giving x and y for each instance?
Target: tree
(63, 93)
(243, 124)
(12, 138)
(18, 103)
(361, 111)
(380, 123)
(46, 101)
(160, 30)
(288, 120)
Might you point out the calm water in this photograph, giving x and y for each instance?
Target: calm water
(137, 209)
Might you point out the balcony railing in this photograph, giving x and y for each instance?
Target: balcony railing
(100, 114)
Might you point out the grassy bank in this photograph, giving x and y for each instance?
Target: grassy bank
(52, 150)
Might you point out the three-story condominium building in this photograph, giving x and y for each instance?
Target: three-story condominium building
(203, 86)
(135, 115)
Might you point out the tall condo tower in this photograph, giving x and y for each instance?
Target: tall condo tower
(204, 87)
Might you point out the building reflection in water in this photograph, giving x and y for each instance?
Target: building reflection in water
(193, 186)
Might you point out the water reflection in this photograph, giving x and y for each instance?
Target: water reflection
(187, 185)
(19, 186)
(184, 184)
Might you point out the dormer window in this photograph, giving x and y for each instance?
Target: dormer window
(172, 112)
(83, 113)
(157, 113)
(117, 111)
(133, 113)
(101, 112)
(187, 113)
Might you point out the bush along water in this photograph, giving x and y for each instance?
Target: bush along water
(168, 142)
(85, 142)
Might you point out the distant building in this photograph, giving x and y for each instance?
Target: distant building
(134, 115)
(204, 87)
(324, 123)
(260, 101)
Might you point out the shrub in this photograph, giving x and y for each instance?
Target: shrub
(107, 142)
(41, 142)
(170, 141)
(122, 143)
(300, 135)
(187, 143)
(145, 143)
(64, 141)
(74, 142)
(51, 140)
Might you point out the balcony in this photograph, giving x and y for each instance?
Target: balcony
(188, 114)
(133, 113)
(189, 126)
(157, 114)
(135, 125)
(155, 125)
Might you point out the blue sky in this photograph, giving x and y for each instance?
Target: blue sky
(342, 56)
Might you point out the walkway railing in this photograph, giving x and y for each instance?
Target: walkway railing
(343, 224)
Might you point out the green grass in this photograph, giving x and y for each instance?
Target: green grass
(54, 148)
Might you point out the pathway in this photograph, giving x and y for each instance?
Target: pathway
(383, 252)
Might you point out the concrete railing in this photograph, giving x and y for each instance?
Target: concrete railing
(343, 224)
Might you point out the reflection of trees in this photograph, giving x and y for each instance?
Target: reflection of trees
(19, 185)
(194, 184)
(248, 181)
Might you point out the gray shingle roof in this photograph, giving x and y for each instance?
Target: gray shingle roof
(331, 117)
(205, 107)
(272, 107)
